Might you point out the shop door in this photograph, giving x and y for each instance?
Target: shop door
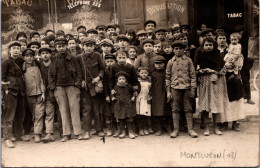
(131, 14)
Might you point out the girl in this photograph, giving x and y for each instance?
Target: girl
(131, 35)
(132, 51)
(124, 96)
(212, 90)
(143, 101)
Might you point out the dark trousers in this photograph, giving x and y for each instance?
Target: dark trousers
(91, 104)
(28, 119)
(245, 75)
(13, 115)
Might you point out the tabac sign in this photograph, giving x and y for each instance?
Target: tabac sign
(17, 2)
(74, 3)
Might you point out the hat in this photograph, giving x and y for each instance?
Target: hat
(101, 27)
(206, 31)
(44, 49)
(159, 30)
(178, 43)
(110, 26)
(175, 29)
(159, 59)
(46, 39)
(61, 41)
(81, 26)
(148, 41)
(51, 37)
(28, 51)
(89, 40)
(106, 41)
(34, 33)
(60, 32)
(141, 32)
(150, 21)
(122, 73)
(92, 31)
(122, 37)
(185, 27)
(110, 56)
(49, 31)
(113, 34)
(33, 43)
(21, 34)
(14, 43)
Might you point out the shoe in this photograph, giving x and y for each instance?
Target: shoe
(116, 134)
(136, 135)
(25, 138)
(141, 132)
(235, 127)
(37, 138)
(65, 138)
(80, 137)
(109, 132)
(150, 130)
(13, 138)
(249, 101)
(131, 135)
(48, 138)
(93, 132)
(101, 134)
(122, 135)
(217, 131)
(146, 132)
(174, 134)
(86, 136)
(9, 144)
(193, 134)
(158, 133)
(206, 130)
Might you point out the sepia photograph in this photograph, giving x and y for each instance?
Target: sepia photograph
(129, 83)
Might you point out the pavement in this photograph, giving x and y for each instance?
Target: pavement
(231, 149)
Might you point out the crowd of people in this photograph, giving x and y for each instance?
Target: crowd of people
(108, 83)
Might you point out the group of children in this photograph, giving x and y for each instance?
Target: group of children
(132, 82)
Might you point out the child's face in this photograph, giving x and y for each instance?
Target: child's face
(72, 44)
(110, 62)
(185, 31)
(88, 48)
(167, 49)
(129, 36)
(150, 27)
(123, 43)
(159, 65)
(121, 80)
(44, 44)
(159, 35)
(35, 48)
(121, 59)
(106, 48)
(234, 40)
(45, 55)
(15, 51)
(23, 47)
(93, 35)
(148, 48)
(61, 48)
(142, 37)
(29, 58)
(101, 30)
(132, 53)
(82, 36)
(168, 35)
(176, 33)
(178, 51)
(184, 40)
(208, 46)
(143, 74)
(36, 37)
(109, 30)
(157, 48)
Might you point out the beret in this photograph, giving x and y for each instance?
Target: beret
(110, 26)
(159, 59)
(110, 56)
(101, 27)
(81, 26)
(178, 43)
(150, 21)
(14, 43)
(89, 40)
(148, 41)
(34, 33)
(122, 37)
(33, 43)
(44, 49)
(28, 51)
(106, 41)
(141, 32)
(60, 41)
(21, 34)
(92, 31)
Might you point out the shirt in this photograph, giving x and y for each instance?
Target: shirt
(180, 73)
(145, 60)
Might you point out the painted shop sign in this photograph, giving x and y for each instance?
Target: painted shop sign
(171, 6)
(74, 3)
(17, 2)
(234, 15)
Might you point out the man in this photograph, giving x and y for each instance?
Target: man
(13, 96)
(65, 80)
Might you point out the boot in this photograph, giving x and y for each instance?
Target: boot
(37, 138)
(109, 130)
(117, 132)
(192, 133)
(9, 143)
(175, 117)
(159, 126)
(122, 129)
(235, 126)
(130, 130)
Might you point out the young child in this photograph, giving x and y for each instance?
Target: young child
(35, 91)
(143, 101)
(158, 92)
(234, 59)
(132, 51)
(49, 97)
(180, 86)
(123, 98)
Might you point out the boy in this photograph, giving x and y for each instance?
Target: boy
(157, 48)
(13, 99)
(92, 33)
(176, 32)
(21, 35)
(23, 43)
(149, 26)
(45, 42)
(169, 34)
(123, 42)
(35, 91)
(64, 83)
(180, 86)
(35, 36)
(35, 47)
(160, 34)
(110, 28)
(106, 47)
(141, 36)
(167, 50)
(92, 68)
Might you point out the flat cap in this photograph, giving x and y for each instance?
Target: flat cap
(89, 40)
(14, 43)
(185, 27)
(61, 41)
(141, 32)
(60, 32)
(122, 37)
(49, 31)
(150, 21)
(178, 43)
(110, 26)
(159, 59)
(34, 33)
(110, 56)
(107, 42)
(101, 27)
(28, 51)
(159, 30)
(92, 31)
(45, 49)
(21, 34)
(148, 41)
(33, 43)
(206, 31)
(81, 26)
(175, 29)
